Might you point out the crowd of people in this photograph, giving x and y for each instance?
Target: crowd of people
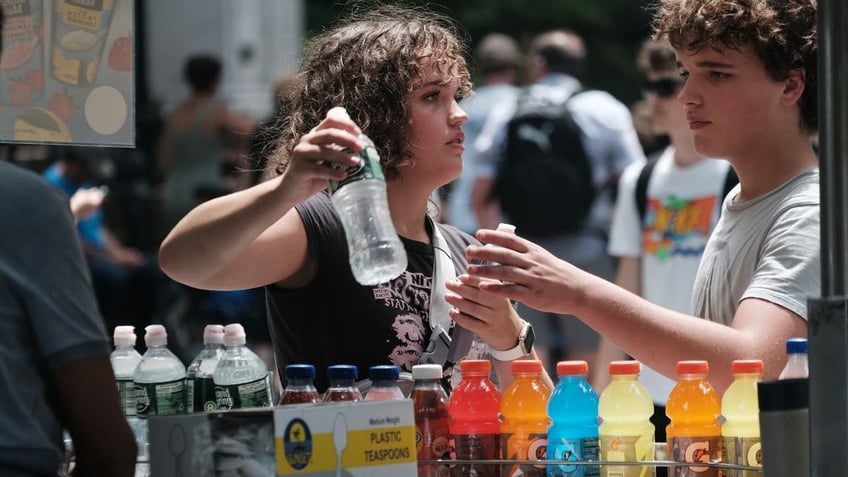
(666, 263)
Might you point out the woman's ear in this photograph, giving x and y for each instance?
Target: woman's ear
(793, 86)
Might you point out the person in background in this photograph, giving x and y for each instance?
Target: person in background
(54, 357)
(124, 278)
(749, 96)
(498, 60)
(558, 60)
(659, 242)
(400, 73)
(197, 143)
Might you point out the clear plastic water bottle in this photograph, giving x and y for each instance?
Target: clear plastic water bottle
(241, 378)
(125, 360)
(376, 253)
(159, 378)
(797, 361)
(200, 375)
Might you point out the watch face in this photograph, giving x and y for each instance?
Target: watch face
(529, 339)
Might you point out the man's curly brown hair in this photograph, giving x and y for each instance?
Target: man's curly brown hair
(369, 64)
(782, 33)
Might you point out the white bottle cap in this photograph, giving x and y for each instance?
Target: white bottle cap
(502, 227)
(213, 334)
(234, 335)
(124, 335)
(427, 371)
(155, 335)
(339, 112)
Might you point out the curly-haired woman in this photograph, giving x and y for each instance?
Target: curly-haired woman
(399, 72)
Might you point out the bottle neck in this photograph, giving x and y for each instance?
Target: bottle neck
(341, 383)
(427, 383)
(624, 377)
(385, 383)
(301, 383)
(213, 346)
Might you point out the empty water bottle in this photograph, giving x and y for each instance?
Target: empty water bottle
(376, 253)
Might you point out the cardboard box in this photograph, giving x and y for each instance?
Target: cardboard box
(370, 438)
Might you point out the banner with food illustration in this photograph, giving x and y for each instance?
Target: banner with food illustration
(66, 72)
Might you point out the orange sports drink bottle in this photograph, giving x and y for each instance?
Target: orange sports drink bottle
(694, 434)
(524, 429)
(741, 411)
(474, 426)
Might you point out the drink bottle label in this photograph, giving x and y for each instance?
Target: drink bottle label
(476, 447)
(160, 399)
(239, 396)
(126, 390)
(696, 449)
(573, 450)
(203, 394)
(529, 447)
(743, 451)
(368, 168)
(624, 449)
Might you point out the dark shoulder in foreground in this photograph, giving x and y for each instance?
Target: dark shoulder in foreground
(25, 192)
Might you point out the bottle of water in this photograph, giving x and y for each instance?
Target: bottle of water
(125, 360)
(199, 377)
(241, 378)
(159, 378)
(797, 366)
(376, 253)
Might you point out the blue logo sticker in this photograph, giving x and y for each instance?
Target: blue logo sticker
(297, 442)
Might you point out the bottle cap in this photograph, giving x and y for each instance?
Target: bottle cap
(427, 371)
(572, 368)
(383, 373)
(234, 335)
(213, 334)
(124, 335)
(502, 227)
(693, 367)
(526, 366)
(340, 372)
(748, 366)
(796, 345)
(623, 368)
(338, 112)
(155, 335)
(300, 371)
(475, 367)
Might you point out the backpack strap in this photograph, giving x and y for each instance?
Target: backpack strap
(642, 188)
(730, 182)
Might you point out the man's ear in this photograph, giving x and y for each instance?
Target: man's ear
(793, 86)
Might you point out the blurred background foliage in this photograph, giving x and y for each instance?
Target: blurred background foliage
(612, 29)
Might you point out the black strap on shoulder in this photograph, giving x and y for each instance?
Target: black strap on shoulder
(642, 188)
(730, 182)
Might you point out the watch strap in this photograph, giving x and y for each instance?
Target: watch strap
(519, 351)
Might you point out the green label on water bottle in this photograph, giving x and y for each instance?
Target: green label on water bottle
(160, 399)
(126, 390)
(203, 396)
(368, 168)
(242, 396)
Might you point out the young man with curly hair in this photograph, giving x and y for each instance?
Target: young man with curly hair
(749, 96)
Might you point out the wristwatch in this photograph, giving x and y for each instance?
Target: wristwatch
(526, 338)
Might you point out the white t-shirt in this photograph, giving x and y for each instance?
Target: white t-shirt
(683, 204)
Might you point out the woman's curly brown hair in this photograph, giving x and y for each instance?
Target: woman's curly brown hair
(369, 65)
(782, 33)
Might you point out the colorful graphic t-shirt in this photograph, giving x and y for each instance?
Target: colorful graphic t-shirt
(335, 320)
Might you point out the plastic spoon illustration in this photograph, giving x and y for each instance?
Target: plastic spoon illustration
(339, 440)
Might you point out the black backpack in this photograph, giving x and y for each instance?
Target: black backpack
(544, 181)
